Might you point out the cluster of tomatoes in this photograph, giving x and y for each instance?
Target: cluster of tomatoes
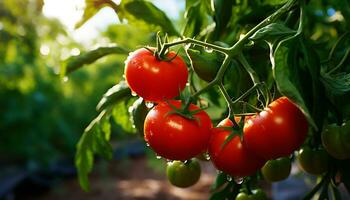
(180, 131)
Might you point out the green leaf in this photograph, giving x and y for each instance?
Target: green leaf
(292, 79)
(222, 194)
(92, 7)
(121, 115)
(146, 11)
(336, 84)
(223, 13)
(114, 95)
(220, 180)
(275, 2)
(94, 140)
(271, 31)
(75, 62)
(196, 16)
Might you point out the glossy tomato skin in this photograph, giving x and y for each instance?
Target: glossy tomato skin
(183, 174)
(313, 161)
(276, 170)
(336, 140)
(173, 136)
(153, 79)
(276, 131)
(232, 158)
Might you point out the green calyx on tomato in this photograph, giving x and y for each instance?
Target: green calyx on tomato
(313, 161)
(153, 79)
(336, 140)
(138, 112)
(276, 170)
(257, 194)
(174, 136)
(183, 174)
(276, 131)
(206, 65)
(231, 156)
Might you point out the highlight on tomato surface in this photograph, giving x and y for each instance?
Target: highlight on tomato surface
(155, 79)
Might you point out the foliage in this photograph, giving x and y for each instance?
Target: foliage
(292, 48)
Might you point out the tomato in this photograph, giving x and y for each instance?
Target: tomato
(173, 136)
(257, 194)
(276, 131)
(138, 112)
(206, 65)
(336, 140)
(153, 79)
(183, 174)
(313, 161)
(243, 196)
(276, 170)
(232, 158)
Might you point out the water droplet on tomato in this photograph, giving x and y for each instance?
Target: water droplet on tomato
(133, 93)
(187, 84)
(158, 157)
(229, 178)
(208, 49)
(147, 144)
(149, 104)
(239, 180)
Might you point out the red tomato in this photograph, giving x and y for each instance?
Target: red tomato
(277, 131)
(232, 158)
(154, 79)
(175, 137)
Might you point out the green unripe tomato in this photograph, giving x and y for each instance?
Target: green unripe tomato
(183, 174)
(259, 194)
(276, 170)
(206, 65)
(336, 140)
(313, 161)
(243, 196)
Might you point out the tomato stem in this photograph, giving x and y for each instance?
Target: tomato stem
(229, 104)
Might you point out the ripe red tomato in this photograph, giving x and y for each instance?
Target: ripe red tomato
(232, 158)
(173, 136)
(154, 79)
(277, 131)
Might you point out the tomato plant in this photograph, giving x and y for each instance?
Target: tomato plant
(155, 79)
(276, 170)
(229, 155)
(183, 174)
(281, 64)
(276, 131)
(313, 161)
(174, 136)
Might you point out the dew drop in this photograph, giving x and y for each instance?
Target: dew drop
(207, 156)
(239, 180)
(133, 93)
(208, 49)
(188, 84)
(147, 144)
(149, 104)
(158, 157)
(65, 79)
(229, 178)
